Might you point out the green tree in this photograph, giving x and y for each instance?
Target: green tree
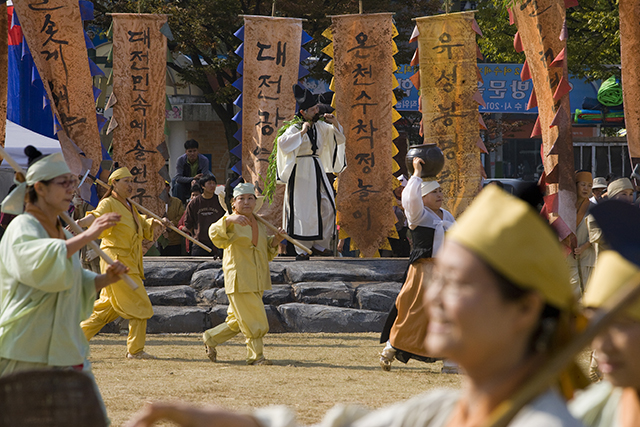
(593, 46)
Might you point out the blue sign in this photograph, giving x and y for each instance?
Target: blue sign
(410, 100)
(504, 92)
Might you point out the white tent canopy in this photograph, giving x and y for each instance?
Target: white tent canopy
(18, 137)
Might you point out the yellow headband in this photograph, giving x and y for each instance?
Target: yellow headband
(119, 174)
(611, 273)
(506, 233)
(584, 176)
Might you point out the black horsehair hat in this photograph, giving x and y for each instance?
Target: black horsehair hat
(304, 97)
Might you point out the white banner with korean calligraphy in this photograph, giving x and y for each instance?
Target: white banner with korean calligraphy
(139, 68)
(271, 64)
(448, 85)
(542, 38)
(54, 32)
(363, 68)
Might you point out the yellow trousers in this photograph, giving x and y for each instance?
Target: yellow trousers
(245, 314)
(103, 313)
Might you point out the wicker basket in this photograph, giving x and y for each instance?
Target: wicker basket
(48, 398)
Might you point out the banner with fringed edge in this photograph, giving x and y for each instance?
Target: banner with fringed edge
(629, 53)
(362, 65)
(542, 37)
(62, 61)
(139, 103)
(448, 75)
(271, 52)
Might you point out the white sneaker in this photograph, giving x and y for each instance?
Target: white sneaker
(140, 355)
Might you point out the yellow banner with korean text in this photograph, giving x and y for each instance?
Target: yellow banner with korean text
(271, 64)
(448, 83)
(363, 68)
(139, 68)
(54, 32)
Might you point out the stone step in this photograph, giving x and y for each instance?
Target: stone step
(319, 295)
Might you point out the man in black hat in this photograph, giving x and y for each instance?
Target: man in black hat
(311, 146)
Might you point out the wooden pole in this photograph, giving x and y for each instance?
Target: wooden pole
(360, 8)
(285, 235)
(77, 230)
(16, 167)
(151, 214)
(625, 296)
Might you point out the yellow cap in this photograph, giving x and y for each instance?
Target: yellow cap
(514, 240)
(119, 174)
(611, 273)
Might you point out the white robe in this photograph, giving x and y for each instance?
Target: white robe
(419, 215)
(432, 409)
(309, 208)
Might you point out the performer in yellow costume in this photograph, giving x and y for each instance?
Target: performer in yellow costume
(124, 243)
(245, 263)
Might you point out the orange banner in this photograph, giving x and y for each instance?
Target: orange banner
(539, 28)
(270, 69)
(139, 79)
(447, 50)
(629, 54)
(54, 32)
(363, 65)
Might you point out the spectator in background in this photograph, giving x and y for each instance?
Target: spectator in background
(201, 212)
(175, 210)
(191, 167)
(598, 189)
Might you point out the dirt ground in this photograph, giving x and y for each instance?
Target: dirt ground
(311, 373)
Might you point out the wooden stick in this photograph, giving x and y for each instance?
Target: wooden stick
(625, 296)
(151, 214)
(75, 227)
(285, 235)
(77, 230)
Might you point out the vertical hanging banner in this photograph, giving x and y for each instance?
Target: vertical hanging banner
(270, 68)
(447, 52)
(138, 99)
(4, 61)
(54, 32)
(629, 54)
(542, 36)
(363, 68)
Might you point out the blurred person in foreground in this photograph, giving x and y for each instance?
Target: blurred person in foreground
(614, 402)
(499, 305)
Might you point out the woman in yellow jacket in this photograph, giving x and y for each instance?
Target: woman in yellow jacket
(124, 243)
(246, 245)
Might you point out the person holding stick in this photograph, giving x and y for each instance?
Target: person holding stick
(499, 304)
(44, 291)
(245, 263)
(123, 242)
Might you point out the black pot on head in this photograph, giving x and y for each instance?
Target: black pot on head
(432, 157)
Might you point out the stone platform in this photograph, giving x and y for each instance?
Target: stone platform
(319, 295)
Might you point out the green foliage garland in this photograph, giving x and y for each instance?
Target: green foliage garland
(272, 170)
